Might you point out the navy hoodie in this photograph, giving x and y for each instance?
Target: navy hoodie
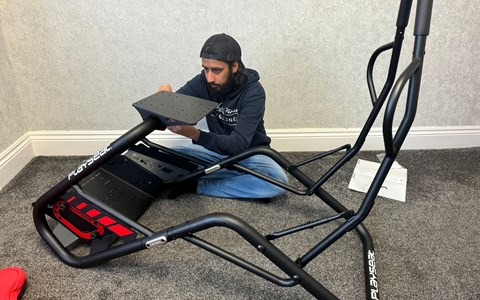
(237, 123)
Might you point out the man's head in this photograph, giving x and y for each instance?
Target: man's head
(222, 63)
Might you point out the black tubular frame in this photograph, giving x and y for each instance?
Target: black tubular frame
(293, 269)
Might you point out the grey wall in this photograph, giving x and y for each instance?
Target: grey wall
(80, 64)
(11, 120)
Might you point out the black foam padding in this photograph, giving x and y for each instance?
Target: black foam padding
(174, 109)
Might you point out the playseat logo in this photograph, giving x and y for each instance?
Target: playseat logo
(88, 162)
(373, 275)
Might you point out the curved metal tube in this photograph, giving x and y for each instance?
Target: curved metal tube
(371, 64)
(392, 105)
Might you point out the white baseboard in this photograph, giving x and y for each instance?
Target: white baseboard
(14, 158)
(79, 143)
(71, 143)
(289, 140)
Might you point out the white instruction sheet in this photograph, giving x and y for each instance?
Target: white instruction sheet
(394, 187)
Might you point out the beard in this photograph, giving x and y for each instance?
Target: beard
(224, 89)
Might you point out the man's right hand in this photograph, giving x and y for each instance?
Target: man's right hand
(165, 88)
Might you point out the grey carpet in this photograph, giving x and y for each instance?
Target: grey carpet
(426, 248)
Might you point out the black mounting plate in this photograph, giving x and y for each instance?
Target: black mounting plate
(174, 109)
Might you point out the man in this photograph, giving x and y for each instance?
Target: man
(235, 125)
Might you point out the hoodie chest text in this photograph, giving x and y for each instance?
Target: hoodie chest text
(226, 115)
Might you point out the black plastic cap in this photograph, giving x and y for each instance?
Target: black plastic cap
(221, 47)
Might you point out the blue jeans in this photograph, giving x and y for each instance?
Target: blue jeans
(236, 184)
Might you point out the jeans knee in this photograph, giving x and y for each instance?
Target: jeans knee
(272, 191)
